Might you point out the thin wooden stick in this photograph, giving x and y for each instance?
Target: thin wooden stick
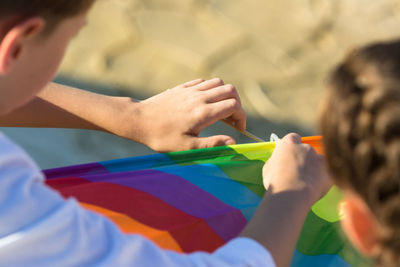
(246, 133)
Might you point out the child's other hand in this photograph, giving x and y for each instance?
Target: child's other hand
(294, 166)
(173, 119)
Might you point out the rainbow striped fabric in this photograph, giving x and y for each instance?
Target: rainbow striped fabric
(199, 199)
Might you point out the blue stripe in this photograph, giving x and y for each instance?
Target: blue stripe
(137, 163)
(324, 260)
(213, 180)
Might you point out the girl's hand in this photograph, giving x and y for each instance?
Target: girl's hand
(296, 167)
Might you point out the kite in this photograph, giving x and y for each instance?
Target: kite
(197, 200)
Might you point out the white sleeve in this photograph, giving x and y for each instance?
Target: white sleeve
(39, 228)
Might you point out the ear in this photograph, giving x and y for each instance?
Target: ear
(360, 225)
(15, 40)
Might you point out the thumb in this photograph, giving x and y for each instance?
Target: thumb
(292, 138)
(212, 141)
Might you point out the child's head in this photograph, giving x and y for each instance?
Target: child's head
(53, 11)
(34, 35)
(360, 124)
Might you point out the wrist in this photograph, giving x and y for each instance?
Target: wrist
(302, 197)
(278, 221)
(130, 122)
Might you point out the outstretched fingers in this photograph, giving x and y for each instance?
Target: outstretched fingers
(209, 84)
(219, 101)
(192, 83)
(229, 109)
(221, 93)
(224, 103)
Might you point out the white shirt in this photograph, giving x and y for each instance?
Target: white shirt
(39, 228)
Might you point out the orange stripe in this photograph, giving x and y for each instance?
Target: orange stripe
(131, 226)
(315, 142)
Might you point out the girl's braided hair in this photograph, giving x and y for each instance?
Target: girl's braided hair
(360, 124)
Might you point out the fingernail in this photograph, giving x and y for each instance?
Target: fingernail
(229, 142)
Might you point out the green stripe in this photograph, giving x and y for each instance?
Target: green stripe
(327, 207)
(236, 166)
(321, 233)
(322, 237)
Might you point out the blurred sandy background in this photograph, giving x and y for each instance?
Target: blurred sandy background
(276, 53)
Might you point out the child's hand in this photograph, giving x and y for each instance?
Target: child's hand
(296, 167)
(173, 119)
(295, 178)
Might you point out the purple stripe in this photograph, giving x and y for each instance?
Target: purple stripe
(225, 220)
(77, 170)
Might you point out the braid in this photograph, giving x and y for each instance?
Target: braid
(361, 128)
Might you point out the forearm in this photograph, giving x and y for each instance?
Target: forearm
(59, 106)
(277, 224)
(169, 121)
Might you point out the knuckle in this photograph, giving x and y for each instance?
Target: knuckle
(207, 145)
(308, 148)
(230, 88)
(234, 104)
(218, 81)
(200, 80)
(292, 137)
(199, 113)
(159, 147)
(193, 145)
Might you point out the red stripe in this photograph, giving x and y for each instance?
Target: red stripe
(60, 183)
(190, 232)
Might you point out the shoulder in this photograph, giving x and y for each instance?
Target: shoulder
(13, 160)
